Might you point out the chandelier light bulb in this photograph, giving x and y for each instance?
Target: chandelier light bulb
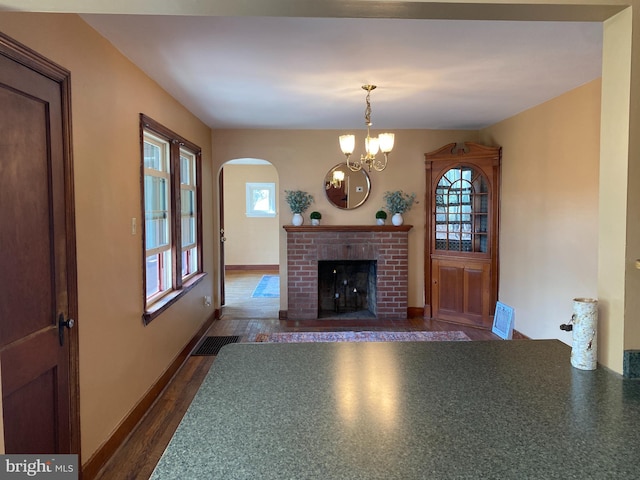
(371, 145)
(386, 142)
(347, 144)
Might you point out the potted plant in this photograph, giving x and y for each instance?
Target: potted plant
(381, 216)
(315, 218)
(298, 202)
(398, 203)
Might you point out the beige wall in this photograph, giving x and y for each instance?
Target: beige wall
(302, 158)
(622, 45)
(549, 209)
(119, 357)
(249, 240)
(618, 279)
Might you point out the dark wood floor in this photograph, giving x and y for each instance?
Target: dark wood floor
(246, 317)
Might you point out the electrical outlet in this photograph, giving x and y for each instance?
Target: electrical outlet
(206, 300)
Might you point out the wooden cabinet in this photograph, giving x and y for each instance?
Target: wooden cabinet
(461, 241)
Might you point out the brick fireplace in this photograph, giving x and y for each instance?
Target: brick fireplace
(387, 246)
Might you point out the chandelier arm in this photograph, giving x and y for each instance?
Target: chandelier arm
(354, 166)
(380, 165)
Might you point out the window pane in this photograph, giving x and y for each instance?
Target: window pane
(185, 263)
(188, 231)
(153, 275)
(185, 170)
(152, 156)
(189, 261)
(260, 200)
(158, 273)
(156, 195)
(188, 200)
(157, 232)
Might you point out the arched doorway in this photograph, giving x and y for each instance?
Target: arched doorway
(249, 238)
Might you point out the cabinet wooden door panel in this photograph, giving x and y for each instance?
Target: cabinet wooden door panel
(476, 290)
(448, 287)
(460, 291)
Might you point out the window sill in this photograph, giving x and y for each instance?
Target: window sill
(165, 302)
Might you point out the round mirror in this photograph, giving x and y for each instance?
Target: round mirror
(345, 188)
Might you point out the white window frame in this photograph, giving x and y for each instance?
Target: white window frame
(189, 250)
(162, 252)
(251, 190)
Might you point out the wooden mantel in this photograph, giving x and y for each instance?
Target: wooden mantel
(347, 228)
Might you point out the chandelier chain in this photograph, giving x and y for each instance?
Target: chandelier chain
(367, 111)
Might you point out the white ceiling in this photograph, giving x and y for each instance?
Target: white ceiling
(301, 63)
(287, 72)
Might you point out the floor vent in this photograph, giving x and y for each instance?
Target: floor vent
(212, 345)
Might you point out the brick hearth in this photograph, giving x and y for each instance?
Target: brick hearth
(387, 245)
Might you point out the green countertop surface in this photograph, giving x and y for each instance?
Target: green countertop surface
(406, 410)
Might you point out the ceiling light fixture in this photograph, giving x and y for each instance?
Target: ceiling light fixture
(383, 142)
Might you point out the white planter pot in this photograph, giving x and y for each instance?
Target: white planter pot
(297, 220)
(397, 219)
(315, 221)
(379, 221)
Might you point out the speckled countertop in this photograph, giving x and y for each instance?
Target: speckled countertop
(406, 410)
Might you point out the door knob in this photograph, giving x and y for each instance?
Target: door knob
(62, 323)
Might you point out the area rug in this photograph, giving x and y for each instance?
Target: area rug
(268, 287)
(373, 336)
(212, 345)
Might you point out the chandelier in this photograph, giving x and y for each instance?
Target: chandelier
(383, 142)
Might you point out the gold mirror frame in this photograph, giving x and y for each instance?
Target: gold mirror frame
(345, 188)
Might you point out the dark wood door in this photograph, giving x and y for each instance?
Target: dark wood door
(461, 257)
(222, 237)
(37, 256)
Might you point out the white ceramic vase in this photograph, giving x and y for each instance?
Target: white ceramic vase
(397, 219)
(297, 220)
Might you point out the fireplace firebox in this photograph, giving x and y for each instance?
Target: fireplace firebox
(347, 288)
